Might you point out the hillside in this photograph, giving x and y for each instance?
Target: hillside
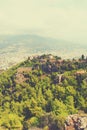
(16, 48)
(41, 92)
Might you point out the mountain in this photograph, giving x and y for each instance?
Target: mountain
(16, 48)
(32, 41)
(41, 92)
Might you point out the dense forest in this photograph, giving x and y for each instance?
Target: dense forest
(41, 92)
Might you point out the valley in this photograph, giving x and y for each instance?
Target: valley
(16, 48)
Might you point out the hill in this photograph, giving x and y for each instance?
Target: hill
(16, 48)
(41, 92)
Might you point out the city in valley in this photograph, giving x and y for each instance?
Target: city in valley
(14, 49)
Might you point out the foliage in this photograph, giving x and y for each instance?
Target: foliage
(44, 95)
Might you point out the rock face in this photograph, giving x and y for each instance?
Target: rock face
(76, 122)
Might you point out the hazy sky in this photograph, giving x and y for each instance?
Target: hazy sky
(62, 19)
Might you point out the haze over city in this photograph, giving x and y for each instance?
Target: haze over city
(62, 19)
(42, 26)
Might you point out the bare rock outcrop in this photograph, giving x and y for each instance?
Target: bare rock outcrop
(76, 122)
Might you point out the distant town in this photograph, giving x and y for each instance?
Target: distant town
(14, 49)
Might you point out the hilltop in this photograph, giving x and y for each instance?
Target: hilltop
(16, 48)
(41, 92)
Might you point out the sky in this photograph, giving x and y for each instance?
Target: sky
(61, 19)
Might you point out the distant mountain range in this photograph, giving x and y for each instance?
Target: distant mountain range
(20, 46)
